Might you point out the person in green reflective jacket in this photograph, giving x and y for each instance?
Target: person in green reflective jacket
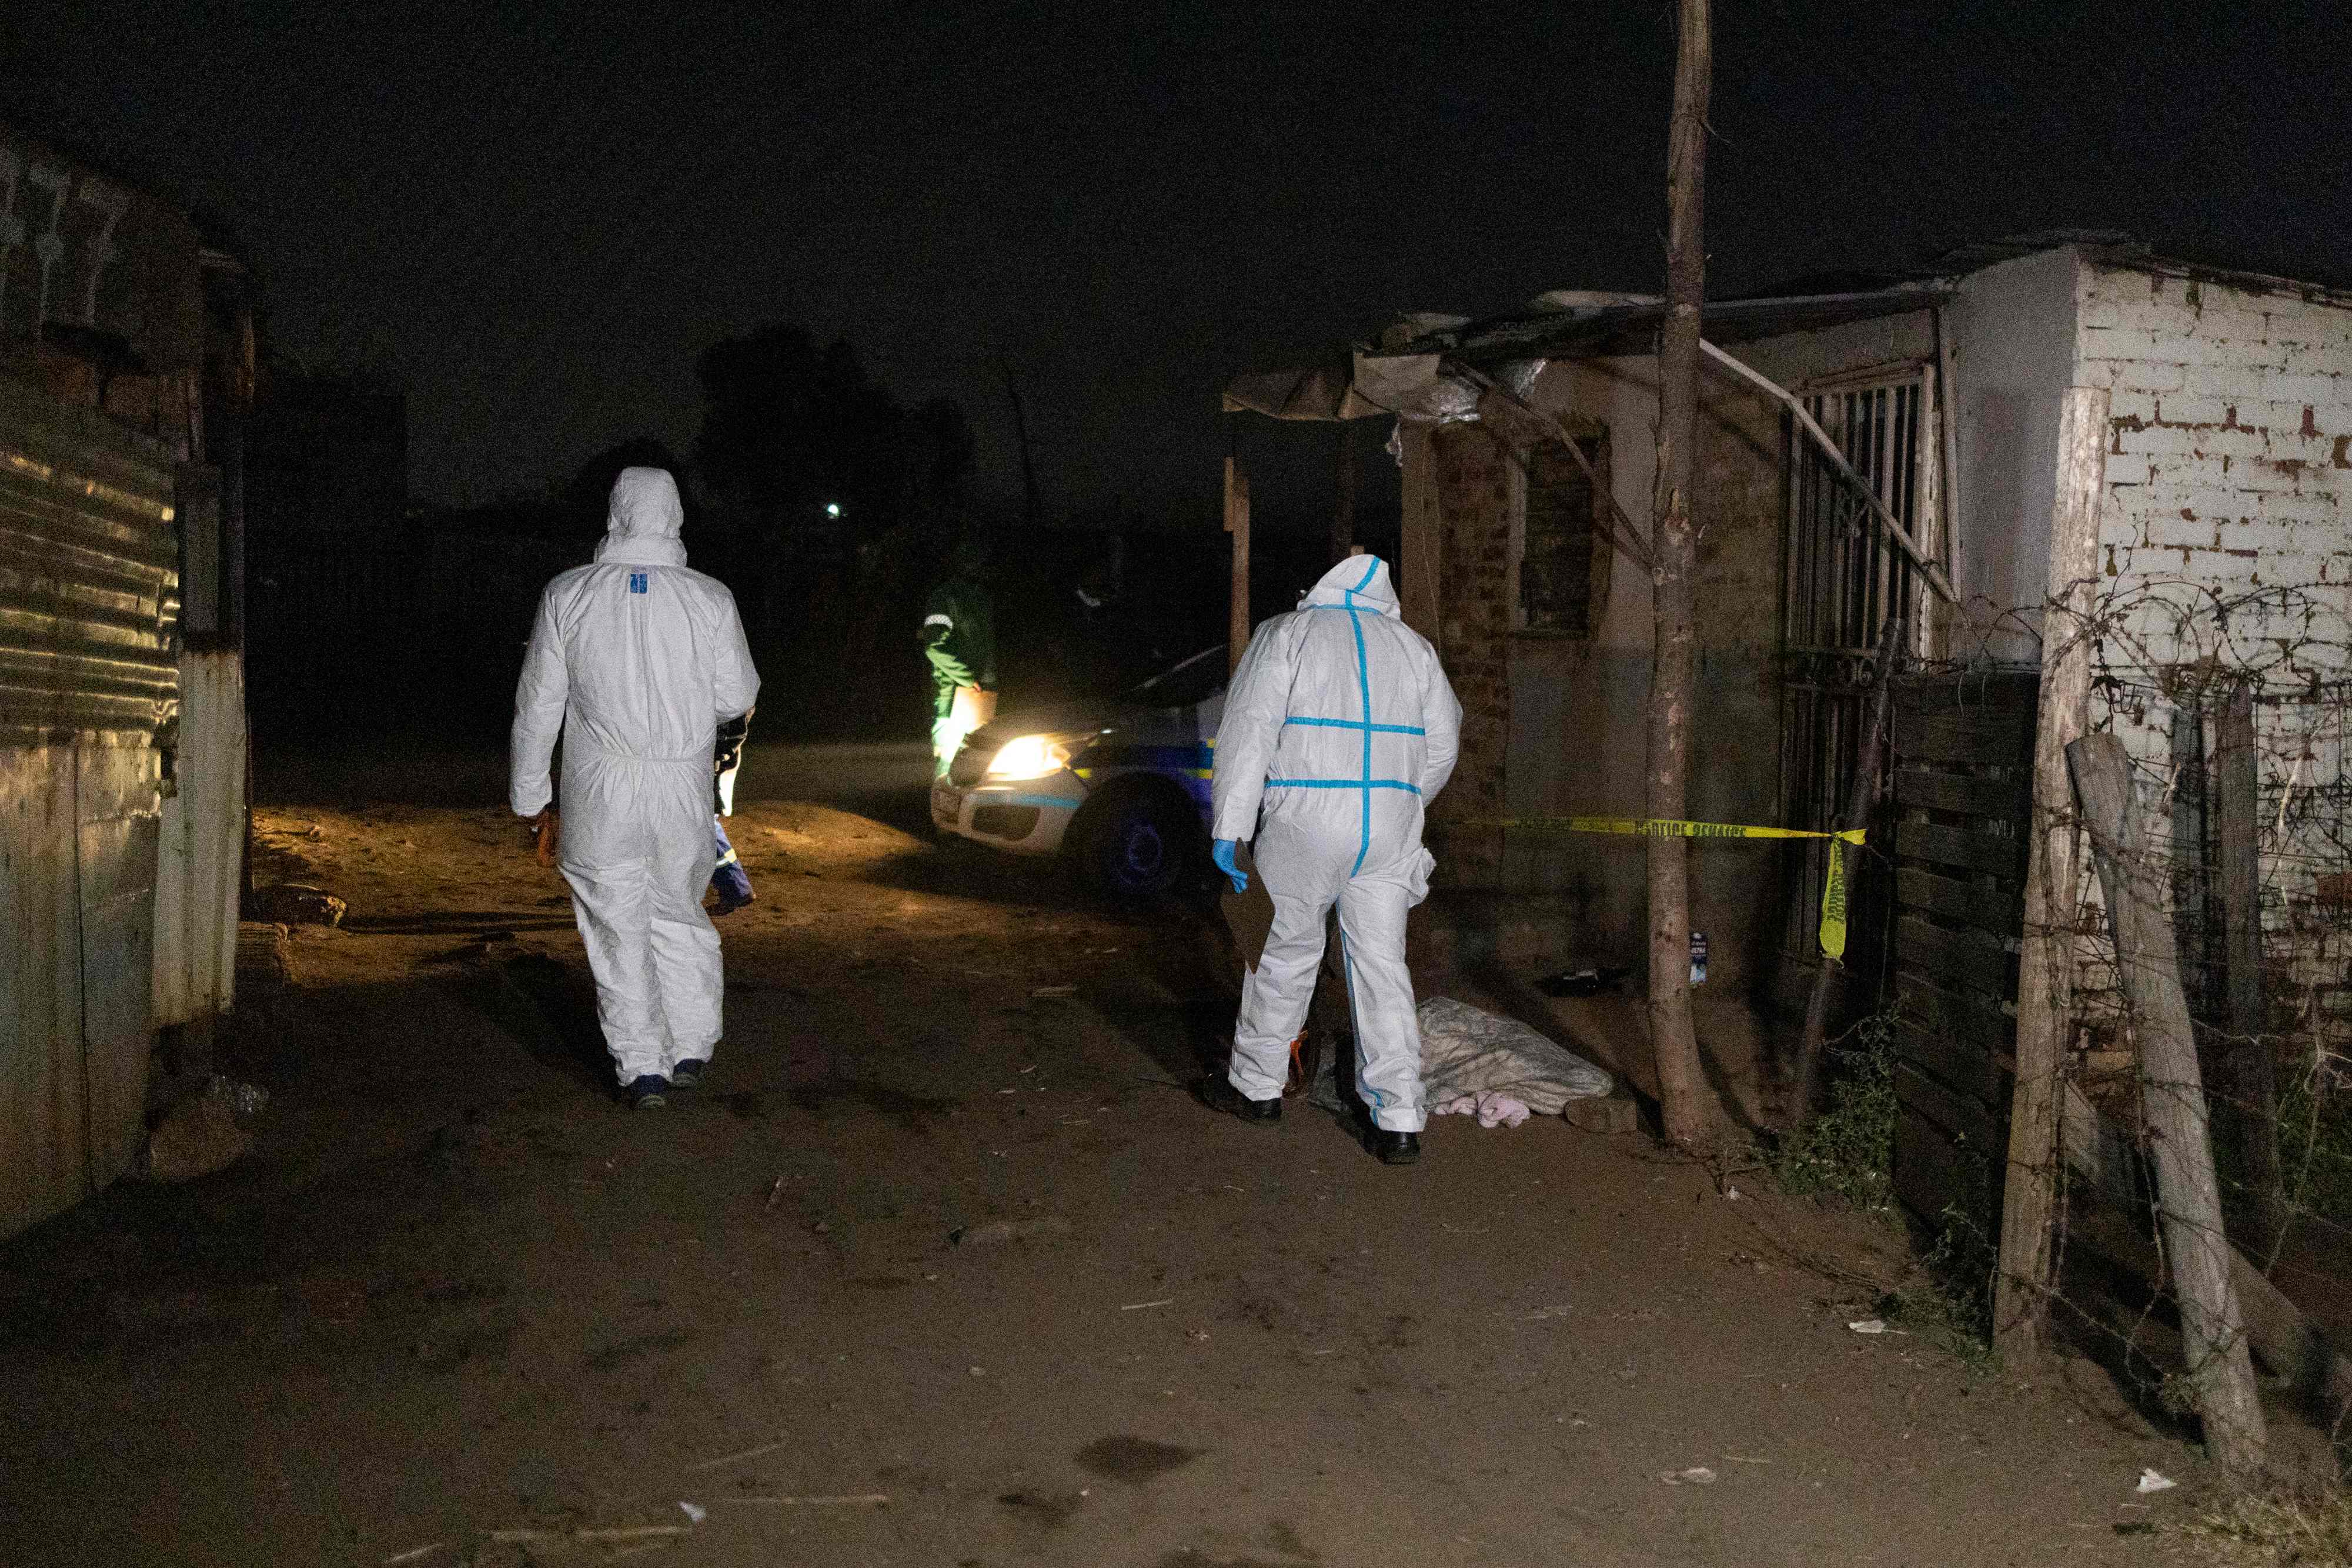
(959, 638)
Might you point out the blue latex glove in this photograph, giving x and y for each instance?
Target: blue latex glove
(1222, 852)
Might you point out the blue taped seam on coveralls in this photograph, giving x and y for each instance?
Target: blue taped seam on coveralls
(728, 876)
(1334, 735)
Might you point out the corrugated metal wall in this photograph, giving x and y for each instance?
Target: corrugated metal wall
(202, 860)
(88, 674)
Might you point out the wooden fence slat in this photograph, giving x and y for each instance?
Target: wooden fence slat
(1932, 1173)
(1962, 1065)
(1968, 1118)
(1966, 958)
(1972, 1015)
(2001, 800)
(1943, 694)
(1958, 896)
(1983, 733)
(1993, 855)
(1989, 907)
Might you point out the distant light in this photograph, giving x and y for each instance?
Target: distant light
(833, 509)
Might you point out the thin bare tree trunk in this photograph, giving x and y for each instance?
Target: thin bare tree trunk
(1690, 1113)
(2188, 1199)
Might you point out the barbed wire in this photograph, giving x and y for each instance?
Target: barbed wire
(2168, 655)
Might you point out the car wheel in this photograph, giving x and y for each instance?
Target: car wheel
(1137, 847)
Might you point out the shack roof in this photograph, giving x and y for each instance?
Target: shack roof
(1385, 376)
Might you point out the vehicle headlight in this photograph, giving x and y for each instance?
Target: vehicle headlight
(1033, 756)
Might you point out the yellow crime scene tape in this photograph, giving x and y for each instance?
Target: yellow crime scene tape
(1832, 897)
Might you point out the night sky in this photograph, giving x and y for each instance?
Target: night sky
(535, 216)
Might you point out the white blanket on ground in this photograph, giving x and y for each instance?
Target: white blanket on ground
(1474, 1062)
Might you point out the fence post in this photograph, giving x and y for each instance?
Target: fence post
(2045, 981)
(2189, 1199)
(2250, 1076)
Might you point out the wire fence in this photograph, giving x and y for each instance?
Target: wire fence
(2233, 707)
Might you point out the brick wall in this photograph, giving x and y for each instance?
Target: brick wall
(2231, 415)
(2226, 549)
(1474, 490)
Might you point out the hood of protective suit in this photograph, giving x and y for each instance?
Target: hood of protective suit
(1361, 581)
(643, 519)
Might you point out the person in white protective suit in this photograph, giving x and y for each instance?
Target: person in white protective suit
(636, 659)
(1339, 726)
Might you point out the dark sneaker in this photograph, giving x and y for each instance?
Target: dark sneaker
(686, 1074)
(1395, 1148)
(729, 903)
(650, 1092)
(1219, 1094)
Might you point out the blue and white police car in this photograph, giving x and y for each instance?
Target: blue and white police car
(1121, 787)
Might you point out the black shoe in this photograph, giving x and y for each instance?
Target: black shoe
(649, 1092)
(1218, 1094)
(688, 1075)
(1395, 1148)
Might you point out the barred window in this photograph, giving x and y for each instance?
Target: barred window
(1559, 549)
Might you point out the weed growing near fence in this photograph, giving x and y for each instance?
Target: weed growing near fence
(1848, 1150)
(1847, 1154)
(2314, 1133)
(1950, 1304)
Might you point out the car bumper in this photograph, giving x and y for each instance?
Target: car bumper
(1025, 819)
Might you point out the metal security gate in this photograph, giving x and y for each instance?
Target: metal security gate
(88, 675)
(1843, 579)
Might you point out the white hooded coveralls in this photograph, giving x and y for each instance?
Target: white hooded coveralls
(1339, 726)
(635, 660)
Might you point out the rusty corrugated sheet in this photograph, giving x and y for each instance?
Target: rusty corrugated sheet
(200, 861)
(89, 600)
(89, 574)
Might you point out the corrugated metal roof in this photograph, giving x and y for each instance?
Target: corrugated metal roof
(89, 575)
(1632, 328)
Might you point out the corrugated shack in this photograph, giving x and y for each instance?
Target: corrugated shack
(1938, 445)
(125, 366)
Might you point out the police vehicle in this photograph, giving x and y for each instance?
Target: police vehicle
(1120, 786)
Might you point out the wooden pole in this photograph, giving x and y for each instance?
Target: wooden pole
(2189, 1199)
(1859, 800)
(1237, 523)
(1941, 622)
(1689, 1111)
(2251, 1079)
(1420, 546)
(1343, 505)
(2100, 1155)
(2045, 980)
(2191, 885)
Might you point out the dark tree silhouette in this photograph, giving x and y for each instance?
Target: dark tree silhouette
(840, 504)
(587, 497)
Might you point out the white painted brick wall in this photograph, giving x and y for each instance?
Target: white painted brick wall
(2230, 480)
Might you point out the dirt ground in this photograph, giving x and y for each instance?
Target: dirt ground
(458, 1305)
